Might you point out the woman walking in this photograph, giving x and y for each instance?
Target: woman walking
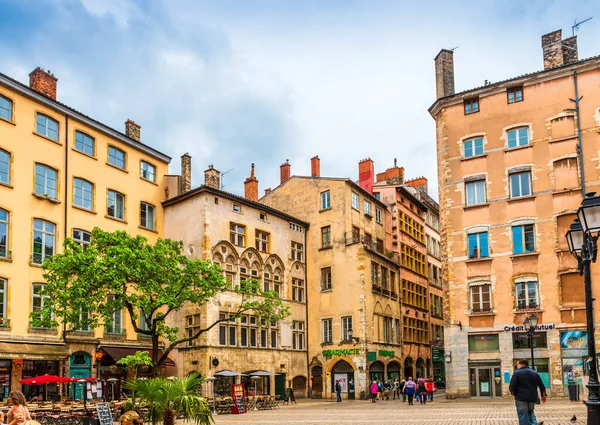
(18, 413)
(374, 390)
(421, 391)
(409, 390)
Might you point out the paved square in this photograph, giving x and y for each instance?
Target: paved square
(440, 412)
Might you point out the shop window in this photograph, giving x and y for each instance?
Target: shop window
(521, 340)
(484, 342)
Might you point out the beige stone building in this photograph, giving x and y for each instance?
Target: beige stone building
(354, 317)
(249, 241)
(510, 181)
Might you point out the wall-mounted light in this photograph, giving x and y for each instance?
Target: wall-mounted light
(353, 338)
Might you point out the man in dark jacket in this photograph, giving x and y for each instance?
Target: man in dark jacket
(523, 386)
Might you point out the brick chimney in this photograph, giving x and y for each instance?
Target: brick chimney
(420, 183)
(366, 174)
(315, 166)
(251, 187)
(444, 73)
(186, 173)
(212, 177)
(394, 175)
(285, 171)
(268, 191)
(558, 52)
(43, 82)
(133, 130)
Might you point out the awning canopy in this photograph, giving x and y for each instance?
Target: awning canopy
(228, 373)
(15, 350)
(261, 373)
(117, 353)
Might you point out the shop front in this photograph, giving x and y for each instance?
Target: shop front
(79, 367)
(573, 347)
(485, 375)
(439, 366)
(343, 372)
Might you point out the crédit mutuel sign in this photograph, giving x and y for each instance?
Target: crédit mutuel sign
(521, 328)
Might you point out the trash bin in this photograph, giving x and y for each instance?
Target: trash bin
(573, 392)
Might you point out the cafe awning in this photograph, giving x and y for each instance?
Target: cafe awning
(15, 350)
(117, 353)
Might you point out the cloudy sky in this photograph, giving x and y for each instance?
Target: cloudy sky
(236, 82)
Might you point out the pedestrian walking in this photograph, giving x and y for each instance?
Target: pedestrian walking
(409, 390)
(379, 389)
(402, 390)
(396, 388)
(387, 388)
(421, 391)
(524, 386)
(338, 391)
(430, 387)
(374, 390)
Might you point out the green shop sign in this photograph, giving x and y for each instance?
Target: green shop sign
(386, 353)
(342, 352)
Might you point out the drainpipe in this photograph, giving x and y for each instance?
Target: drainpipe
(66, 203)
(580, 143)
(308, 375)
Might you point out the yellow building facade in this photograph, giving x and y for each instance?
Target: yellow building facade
(352, 280)
(510, 182)
(62, 174)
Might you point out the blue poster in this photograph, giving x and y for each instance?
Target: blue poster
(573, 339)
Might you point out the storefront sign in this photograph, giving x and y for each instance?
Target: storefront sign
(521, 328)
(342, 352)
(386, 353)
(436, 355)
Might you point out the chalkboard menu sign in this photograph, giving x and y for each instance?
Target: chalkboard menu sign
(240, 404)
(289, 396)
(104, 415)
(238, 394)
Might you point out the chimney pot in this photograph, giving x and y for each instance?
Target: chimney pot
(251, 187)
(43, 82)
(444, 73)
(366, 174)
(285, 171)
(212, 177)
(133, 130)
(186, 173)
(268, 191)
(315, 166)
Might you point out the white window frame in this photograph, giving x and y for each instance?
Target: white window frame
(378, 216)
(112, 327)
(346, 326)
(367, 207)
(325, 200)
(478, 289)
(5, 223)
(80, 239)
(91, 142)
(525, 282)
(148, 171)
(517, 138)
(327, 330)
(355, 201)
(115, 205)
(5, 158)
(114, 159)
(81, 188)
(298, 290)
(48, 132)
(45, 235)
(297, 253)
(44, 175)
(472, 141)
(38, 298)
(150, 211)
(3, 301)
(8, 109)
(476, 201)
(520, 186)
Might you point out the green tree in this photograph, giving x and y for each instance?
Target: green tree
(133, 361)
(168, 398)
(85, 287)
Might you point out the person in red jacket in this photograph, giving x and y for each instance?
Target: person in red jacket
(430, 387)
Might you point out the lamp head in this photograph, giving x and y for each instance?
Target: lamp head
(533, 321)
(575, 237)
(526, 323)
(589, 213)
(350, 334)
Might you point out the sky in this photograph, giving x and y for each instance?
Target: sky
(248, 81)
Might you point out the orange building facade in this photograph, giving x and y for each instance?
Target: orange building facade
(509, 185)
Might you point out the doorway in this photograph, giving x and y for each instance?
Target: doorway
(485, 381)
(280, 385)
(317, 382)
(408, 368)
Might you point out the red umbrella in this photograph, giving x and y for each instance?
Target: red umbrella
(44, 379)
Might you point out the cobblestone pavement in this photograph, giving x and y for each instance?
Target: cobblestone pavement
(440, 412)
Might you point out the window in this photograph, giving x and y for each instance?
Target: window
(473, 147)
(484, 342)
(379, 246)
(414, 294)
(326, 330)
(355, 201)
(471, 106)
(38, 300)
(326, 236)
(274, 336)
(262, 216)
(43, 240)
(85, 143)
(523, 239)
(47, 127)
(148, 171)
(6, 107)
(4, 233)
(478, 245)
(520, 184)
(325, 278)
(147, 216)
(263, 338)
(297, 251)
(244, 331)
(222, 330)
(346, 327)
(475, 192)
(83, 196)
(355, 234)
(514, 94)
(4, 167)
(115, 325)
(237, 234)
(45, 181)
(144, 319)
(415, 330)
(298, 336)
(82, 237)
(237, 208)
(262, 241)
(374, 273)
(367, 208)
(325, 200)
(116, 205)
(253, 332)
(116, 157)
(517, 137)
(3, 290)
(192, 327)
(412, 259)
(298, 290)
(481, 300)
(527, 295)
(378, 216)
(411, 227)
(521, 340)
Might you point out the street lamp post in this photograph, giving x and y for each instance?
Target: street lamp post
(582, 239)
(530, 324)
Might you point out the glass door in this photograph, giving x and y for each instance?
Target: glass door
(485, 382)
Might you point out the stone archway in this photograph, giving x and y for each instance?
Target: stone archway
(299, 386)
(376, 370)
(421, 368)
(343, 372)
(316, 389)
(393, 371)
(408, 368)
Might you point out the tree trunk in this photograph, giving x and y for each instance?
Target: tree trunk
(169, 417)
(155, 357)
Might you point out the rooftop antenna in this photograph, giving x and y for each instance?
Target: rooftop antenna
(223, 175)
(454, 48)
(575, 26)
